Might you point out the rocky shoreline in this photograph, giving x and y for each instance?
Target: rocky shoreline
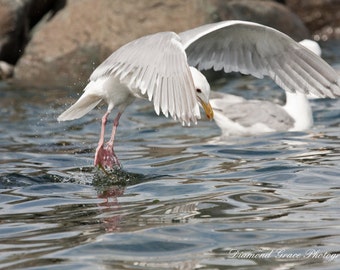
(59, 43)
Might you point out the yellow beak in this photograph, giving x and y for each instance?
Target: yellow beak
(207, 108)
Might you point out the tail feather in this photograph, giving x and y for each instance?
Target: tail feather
(84, 104)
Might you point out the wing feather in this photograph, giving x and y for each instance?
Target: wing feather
(249, 48)
(155, 66)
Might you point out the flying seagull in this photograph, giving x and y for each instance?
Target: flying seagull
(164, 68)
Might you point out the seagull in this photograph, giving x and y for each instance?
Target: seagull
(238, 116)
(153, 67)
(164, 68)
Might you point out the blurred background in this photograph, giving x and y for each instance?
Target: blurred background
(60, 42)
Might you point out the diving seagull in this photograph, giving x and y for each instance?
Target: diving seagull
(164, 68)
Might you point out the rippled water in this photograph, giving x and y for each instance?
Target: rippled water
(185, 198)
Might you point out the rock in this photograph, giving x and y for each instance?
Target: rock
(267, 13)
(66, 49)
(321, 17)
(16, 20)
(13, 32)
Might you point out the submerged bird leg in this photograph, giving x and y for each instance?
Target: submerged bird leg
(105, 156)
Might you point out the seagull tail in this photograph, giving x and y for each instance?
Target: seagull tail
(84, 104)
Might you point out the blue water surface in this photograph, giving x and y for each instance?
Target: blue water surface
(185, 198)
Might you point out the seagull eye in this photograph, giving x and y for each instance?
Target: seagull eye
(198, 90)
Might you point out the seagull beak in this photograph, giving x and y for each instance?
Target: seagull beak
(207, 108)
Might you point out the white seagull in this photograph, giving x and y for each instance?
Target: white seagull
(161, 67)
(238, 116)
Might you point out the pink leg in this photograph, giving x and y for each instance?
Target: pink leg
(114, 128)
(102, 131)
(105, 156)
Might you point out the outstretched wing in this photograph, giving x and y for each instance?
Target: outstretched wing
(259, 50)
(156, 66)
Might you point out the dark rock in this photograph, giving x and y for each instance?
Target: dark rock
(321, 17)
(16, 21)
(13, 30)
(267, 13)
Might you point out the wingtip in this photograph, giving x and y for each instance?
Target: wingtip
(63, 117)
(60, 119)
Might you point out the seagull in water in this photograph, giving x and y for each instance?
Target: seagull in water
(238, 116)
(164, 68)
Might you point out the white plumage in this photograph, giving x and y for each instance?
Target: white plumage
(238, 116)
(158, 67)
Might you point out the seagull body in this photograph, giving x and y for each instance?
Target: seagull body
(251, 117)
(238, 116)
(161, 67)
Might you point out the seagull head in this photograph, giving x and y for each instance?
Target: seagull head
(202, 89)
